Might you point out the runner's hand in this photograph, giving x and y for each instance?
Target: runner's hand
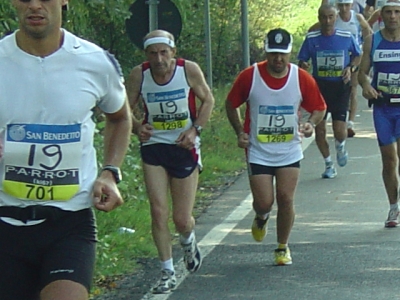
(307, 129)
(145, 132)
(106, 195)
(346, 75)
(187, 139)
(369, 92)
(243, 140)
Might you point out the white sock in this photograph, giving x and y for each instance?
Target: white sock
(328, 159)
(394, 206)
(187, 240)
(265, 216)
(168, 264)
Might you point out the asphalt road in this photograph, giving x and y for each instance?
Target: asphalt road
(339, 245)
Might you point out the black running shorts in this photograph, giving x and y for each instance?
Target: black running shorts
(337, 98)
(177, 161)
(34, 256)
(255, 169)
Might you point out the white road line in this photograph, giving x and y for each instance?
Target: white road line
(216, 235)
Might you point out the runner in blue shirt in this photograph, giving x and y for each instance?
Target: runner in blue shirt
(334, 55)
(382, 52)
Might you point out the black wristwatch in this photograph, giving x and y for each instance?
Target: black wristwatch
(115, 171)
(198, 129)
(354, 69)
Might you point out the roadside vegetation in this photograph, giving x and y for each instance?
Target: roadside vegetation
(103, 22)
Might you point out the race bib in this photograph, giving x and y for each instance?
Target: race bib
(168, 110)
(330, 63)
(275, 124)
(41, 162)
(389, 83)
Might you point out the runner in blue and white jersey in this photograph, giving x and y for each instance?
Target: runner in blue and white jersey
(333, 53)
(382, 53)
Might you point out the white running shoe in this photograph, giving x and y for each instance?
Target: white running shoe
(330, 171)
(393, 218)
(166, 284)
(192, 256)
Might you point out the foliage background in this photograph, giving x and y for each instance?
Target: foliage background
(103, 22)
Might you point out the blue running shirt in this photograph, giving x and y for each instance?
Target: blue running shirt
(329, 54)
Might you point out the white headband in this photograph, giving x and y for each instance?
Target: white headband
(159, 40)
(391, 3)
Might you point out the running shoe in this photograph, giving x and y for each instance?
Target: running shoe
(259, 229)
(166, 284)
(330, 171)
(341, 156)
(282, 257)
(392, 220)
(192, 256)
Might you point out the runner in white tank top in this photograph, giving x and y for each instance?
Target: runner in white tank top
(170, 141)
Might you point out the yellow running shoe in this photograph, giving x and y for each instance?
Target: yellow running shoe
(282, 257)
(259, 229)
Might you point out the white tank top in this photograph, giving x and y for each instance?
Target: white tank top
(352, 26)
(274, 135)
(170, 108)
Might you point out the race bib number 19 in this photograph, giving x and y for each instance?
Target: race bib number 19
(330, 63)
(168, 110)
(41, 162)
(275, 124)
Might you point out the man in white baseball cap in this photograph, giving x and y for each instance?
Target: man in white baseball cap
(272, 91)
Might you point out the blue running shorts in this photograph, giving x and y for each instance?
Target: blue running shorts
(387, 123)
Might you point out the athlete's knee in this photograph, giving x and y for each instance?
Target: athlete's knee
(284, 200)
(183, 223)
(262, 207)
(64, 290)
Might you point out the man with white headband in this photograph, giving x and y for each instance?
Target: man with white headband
(273, 90)
(170, 144)
(334, 54)
(382, 52)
